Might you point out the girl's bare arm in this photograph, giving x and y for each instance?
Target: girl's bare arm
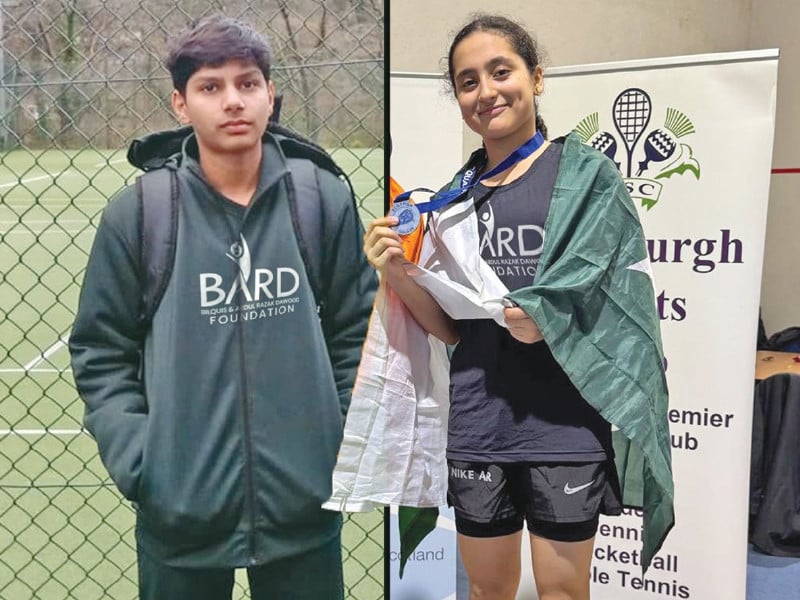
(384, 250)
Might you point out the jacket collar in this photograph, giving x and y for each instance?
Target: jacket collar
(176, 147)
(273, 162)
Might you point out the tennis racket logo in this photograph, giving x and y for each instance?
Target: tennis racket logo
(649, 154)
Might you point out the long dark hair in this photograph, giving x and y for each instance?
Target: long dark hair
(522, 43)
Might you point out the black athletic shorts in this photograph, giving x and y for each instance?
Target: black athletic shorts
(560, 502)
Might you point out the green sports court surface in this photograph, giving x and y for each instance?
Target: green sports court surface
(65, 532)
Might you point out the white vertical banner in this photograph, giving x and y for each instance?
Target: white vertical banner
(693, 139)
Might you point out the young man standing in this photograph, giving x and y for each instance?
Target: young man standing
(220, 417)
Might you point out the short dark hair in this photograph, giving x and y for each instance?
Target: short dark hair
(213, 41)
(522, 43)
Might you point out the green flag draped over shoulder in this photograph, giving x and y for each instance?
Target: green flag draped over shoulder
(594, 301)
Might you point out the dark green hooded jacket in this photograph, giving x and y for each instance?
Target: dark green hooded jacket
(221, 419)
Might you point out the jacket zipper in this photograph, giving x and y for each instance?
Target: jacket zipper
(248, 437)
(248, 441)
(245, 402)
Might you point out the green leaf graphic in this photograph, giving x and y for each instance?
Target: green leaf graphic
(587, 127)
(691, 165)
(649, 203)
(684, 162)
(415, 524)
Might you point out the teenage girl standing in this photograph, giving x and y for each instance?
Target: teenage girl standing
(523, 443)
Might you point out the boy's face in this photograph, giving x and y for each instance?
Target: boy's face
(228, 106)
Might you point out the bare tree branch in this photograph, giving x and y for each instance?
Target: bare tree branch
(285, 14)
(41, 41)
(307, 101)
(323, 30)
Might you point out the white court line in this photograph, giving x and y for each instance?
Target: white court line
(62, 341)
(59, 174)
(34, 371)
(32, 179)
(68, 232)
(41, 432)
(112, 162)
(44, 221)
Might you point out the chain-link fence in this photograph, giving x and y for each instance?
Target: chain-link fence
(80, 80)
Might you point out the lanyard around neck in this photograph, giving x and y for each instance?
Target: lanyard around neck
(444, 198)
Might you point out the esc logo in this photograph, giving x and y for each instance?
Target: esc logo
(661, 155)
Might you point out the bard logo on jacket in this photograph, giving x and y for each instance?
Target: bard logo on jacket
(254, 294)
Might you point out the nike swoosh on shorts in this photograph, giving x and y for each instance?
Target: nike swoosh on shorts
(574, 490)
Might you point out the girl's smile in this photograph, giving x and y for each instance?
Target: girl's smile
(492, 111)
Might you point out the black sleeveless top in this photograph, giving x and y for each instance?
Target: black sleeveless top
(511, 401)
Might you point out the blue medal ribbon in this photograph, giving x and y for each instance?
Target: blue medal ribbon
(444, 198)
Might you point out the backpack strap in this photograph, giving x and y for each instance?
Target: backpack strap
(305, 202)
(158, 235)
(307, 205)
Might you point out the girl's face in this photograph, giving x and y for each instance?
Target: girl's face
(494, 88)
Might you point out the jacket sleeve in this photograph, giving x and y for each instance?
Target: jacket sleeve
(106, 344)
(350, 284)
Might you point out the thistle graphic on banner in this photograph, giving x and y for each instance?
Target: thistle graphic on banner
(662, 154)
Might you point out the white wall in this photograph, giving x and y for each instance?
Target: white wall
(775, 23)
